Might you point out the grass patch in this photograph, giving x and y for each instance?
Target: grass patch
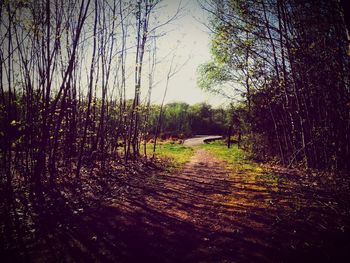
(176, 153)
(235, 157)
(238, 162)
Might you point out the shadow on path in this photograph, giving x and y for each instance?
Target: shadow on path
(204, 214)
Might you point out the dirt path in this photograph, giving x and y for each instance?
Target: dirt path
(200, 139)
(203, 213)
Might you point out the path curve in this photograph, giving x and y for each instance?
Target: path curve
(200, 139)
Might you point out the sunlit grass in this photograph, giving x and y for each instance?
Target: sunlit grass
(235, 157)
(177, 153)
(249, 176)
(238, 162)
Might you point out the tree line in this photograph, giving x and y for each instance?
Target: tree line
(68, 70)
(182, 120)
(289, 61)
(64, 84)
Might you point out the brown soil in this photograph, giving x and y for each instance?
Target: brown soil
(205, 214)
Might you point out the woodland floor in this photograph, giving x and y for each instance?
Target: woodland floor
(204, 213)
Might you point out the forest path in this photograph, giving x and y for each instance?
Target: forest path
(200, 139)
(206, 213)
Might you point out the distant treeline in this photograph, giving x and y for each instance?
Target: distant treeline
(183, 120)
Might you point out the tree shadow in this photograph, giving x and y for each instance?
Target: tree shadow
(201, 214)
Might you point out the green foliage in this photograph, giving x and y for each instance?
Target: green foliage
(211, 76)
(181, 119)
(292, 77)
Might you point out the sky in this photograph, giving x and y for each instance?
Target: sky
(186, 39)
(189, 40)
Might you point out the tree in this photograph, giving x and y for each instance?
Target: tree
(286, 63)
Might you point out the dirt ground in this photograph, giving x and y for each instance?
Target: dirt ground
(204, 213)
